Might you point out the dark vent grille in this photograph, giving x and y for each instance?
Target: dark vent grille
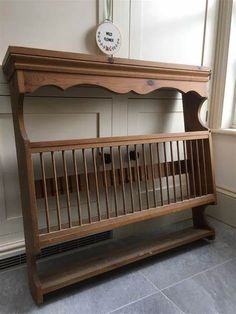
(12, 261)
(56, 249)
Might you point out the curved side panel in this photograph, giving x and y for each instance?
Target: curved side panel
(120, 85)
(192, 103)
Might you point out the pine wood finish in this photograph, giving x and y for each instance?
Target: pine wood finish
(86, 186)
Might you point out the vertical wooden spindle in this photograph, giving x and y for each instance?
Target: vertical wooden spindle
(45, 192)
(204, 166)
(180, 173)
(198, 168)
(122, 178)
(192, 168)
(153, 177)
(159, 170)
(41, 188)
(166, 172)
(114, 180)
(77, 187)
(67, 189)
(145, 175)
(130, 180)
(138, 177)
(105, 183)
(56, 191)
(96, 184)
(173, 170)
(87, 184)
(186, 168)
(70, 184)
(60, 185)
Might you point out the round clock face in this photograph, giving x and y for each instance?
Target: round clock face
(108, 38)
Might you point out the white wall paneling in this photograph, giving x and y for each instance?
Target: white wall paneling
(11, 228)
(58, 25)
(225, 161)
(159, 112)
(173, 31)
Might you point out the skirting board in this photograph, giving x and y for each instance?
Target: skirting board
(225, 210)
(12, 248)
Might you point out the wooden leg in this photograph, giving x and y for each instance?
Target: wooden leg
(34, 282)
(200, 222)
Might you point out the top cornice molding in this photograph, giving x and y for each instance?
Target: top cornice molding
(35, 68)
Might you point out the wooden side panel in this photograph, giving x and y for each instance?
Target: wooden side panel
(28, 196)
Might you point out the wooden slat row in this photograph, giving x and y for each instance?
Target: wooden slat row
(100, 176)
(135, 178)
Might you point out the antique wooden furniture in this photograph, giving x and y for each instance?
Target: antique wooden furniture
(101, 184)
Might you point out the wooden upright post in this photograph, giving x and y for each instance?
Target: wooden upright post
(27, 187)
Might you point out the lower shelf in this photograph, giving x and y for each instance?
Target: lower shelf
(72, 268)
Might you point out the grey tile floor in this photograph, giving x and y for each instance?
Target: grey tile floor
(198, 278)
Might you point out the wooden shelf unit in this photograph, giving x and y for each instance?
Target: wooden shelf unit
(122, 180)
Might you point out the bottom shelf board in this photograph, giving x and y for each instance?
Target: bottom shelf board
(74, 267)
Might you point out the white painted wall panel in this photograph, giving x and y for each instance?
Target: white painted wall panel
(225, 161)
(67, 118)
(58, 25)
(146, 116)
(172, 31)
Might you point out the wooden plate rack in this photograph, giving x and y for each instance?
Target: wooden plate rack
(86, 186)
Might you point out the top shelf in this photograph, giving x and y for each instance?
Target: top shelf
(35, 68)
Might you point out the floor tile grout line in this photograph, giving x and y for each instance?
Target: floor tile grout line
(172, 302)
(137, 300)
(199, 273)
(152, 283)
(209, 268)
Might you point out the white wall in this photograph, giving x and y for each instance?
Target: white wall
(225, 169)
(152, 30)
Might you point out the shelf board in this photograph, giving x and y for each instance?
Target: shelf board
(60, 272)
